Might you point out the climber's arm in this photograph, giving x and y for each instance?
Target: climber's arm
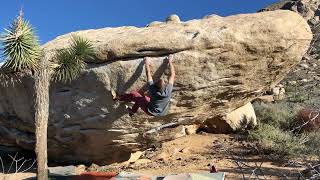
(172, 70)
(148, 69)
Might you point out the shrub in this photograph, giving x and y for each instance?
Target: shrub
(274, 134)
(313, 143)
(275, 141)
(280, 115)
(71, 60)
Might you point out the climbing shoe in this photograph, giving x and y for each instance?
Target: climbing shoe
(129, 111)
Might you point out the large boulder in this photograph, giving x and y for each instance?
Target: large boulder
(222, 63)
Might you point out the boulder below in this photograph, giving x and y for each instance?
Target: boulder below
(222, 63)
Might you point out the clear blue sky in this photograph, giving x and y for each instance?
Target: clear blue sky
(56, 17)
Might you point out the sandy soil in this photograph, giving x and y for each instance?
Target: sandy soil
(17, 176)
(196, 153)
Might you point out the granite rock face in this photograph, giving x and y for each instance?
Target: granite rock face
(222, 63)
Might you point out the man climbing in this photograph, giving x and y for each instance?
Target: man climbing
(160, 93)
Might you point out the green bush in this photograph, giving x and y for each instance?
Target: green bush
(313, 143)
(273, 140)
(274, 135)
(280, 115)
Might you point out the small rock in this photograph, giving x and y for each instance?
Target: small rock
(191, 129)
(275, 91)
(303, 65)
(280, 94)
(154, 23)
(135, 156)
(307, 58)
(304, 80)
(243, 117)
(178, 132)
(173, 18)
(292, 83)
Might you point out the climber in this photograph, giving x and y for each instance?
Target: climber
(160, 93)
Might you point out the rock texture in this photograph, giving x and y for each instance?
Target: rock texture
(222, 63)
(309, 9)
(239, 118)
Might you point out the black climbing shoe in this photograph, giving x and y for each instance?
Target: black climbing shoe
(130, 112)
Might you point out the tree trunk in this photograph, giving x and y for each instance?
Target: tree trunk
(42, 82)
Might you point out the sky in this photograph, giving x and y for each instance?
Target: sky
(52, 18)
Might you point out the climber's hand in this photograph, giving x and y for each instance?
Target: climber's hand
(146, 60)
(170, 58)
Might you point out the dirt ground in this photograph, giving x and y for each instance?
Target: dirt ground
(16, 176)
(197, 153)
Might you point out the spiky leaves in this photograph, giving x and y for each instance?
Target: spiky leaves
(70, 61)
(81, 48)
(21, 47)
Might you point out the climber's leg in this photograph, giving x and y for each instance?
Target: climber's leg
(129, 97)
(143, 103)
(140, 102)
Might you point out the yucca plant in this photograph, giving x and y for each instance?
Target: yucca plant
(22, 52)
(70, 61)
(21, 46)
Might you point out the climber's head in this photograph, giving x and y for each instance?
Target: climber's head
(161, 84)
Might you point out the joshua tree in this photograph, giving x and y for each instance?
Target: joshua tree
(23, 53)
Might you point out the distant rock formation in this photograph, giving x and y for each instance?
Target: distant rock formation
(304, 78)
(309, 9)
(222, 63)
